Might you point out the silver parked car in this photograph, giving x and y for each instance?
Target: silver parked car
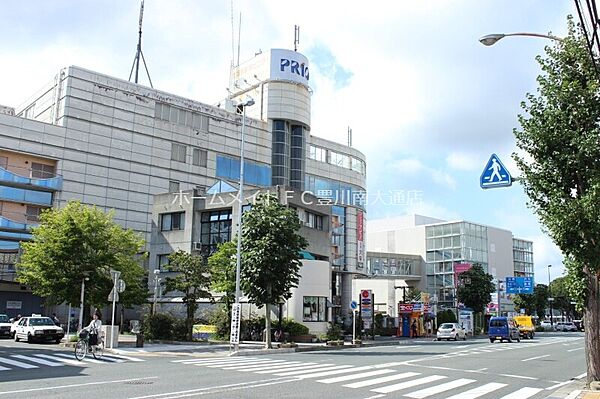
(565, 326)
(451, 331)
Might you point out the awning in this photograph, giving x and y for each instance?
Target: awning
(306, 255)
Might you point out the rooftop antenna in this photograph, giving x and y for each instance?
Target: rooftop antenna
(138, 53)
(349, 136)
(239, 38)
(296, 37)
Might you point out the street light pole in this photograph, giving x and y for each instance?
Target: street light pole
(235, 312)
(156, 281)
(550, 299)
(83, 280)
(489, 40)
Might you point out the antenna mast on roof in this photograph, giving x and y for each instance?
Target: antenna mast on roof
(296, 37)
(138, 53)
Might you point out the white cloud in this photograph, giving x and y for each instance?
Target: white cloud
(431, 209)
(412, 167)
(408, 166)
(463, 161)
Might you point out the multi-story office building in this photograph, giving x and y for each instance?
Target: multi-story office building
(443, 245)
(116, 144)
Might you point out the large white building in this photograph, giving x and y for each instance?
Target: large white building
(116, 144)
(442, 245)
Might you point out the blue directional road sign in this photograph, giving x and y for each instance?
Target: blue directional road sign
(495, 174)
(353, 304)
(519, 285)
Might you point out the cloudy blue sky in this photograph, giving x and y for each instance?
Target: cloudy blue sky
(427, 103)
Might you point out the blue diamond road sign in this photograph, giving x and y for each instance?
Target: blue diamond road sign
(495, 174)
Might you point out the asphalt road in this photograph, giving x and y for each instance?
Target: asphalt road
(419, 368)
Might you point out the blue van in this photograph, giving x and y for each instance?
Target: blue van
(503, 328)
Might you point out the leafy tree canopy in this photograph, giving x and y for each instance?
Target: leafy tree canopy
(222, 265)
(476, 287)
(80, 241)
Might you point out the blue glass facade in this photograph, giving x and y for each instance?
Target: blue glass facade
(9, 245)
(339, 193)
(254, 173)
(338, 235)
(54, 183)
(26, 196)
(10, 224)
(15, 236)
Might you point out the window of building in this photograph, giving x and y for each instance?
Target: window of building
(215, 228)
(318, 153)
(254, 173)
(178, 152)
(180, 116)
(172, 221)
(314, 308)
(3, 162)
(32, 213)
(41, 171)
(199, 157)
(313, 221)
(173, 186)
(163, 262)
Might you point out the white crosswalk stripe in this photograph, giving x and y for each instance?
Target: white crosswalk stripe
(408, 384)
(265, 363)
(298, 373)
(38, 361)
(302, 366)
(522, 393)
(479, 391)
(356, 376)
(334, 372)
(424, 393)
(72, 362)
(273, 367)
(86, 359)
(16, 363)
(362, 384)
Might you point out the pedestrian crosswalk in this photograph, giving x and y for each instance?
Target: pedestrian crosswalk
(385, 378)
(56, 359)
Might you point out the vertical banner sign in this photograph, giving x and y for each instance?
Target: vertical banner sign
(360, 235)
(366, 308)
(236, 311)
(458, 269)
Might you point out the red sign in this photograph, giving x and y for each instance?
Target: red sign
(365, 294)
(405, 307)
(360, 242)
(460, 268)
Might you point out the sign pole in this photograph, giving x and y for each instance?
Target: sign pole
(353, 326)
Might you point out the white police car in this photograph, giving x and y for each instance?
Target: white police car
(38, 329)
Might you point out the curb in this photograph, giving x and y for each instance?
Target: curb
(572, 390)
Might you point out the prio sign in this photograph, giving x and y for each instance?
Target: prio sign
(294, 67)
(288, 65)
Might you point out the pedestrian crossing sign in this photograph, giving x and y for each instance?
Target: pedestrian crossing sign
(495, 174)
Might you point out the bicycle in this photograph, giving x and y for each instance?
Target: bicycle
(82, 347)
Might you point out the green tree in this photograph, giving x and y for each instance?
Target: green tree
(271, 249)
(80, 241)
(192, 280)
(222, 265)
(475, 288)
(559, 167)
(533, 303)
(562, 296)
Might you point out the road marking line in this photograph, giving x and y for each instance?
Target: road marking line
(343, 371)
(560, 384)
(72, 362)
(356, 376)
(423, 393)
(533, 358)
(39, 361)
(131, 359)
(483, 369)
(522, 393)
(479, 391)
(86, 359)
(574, 394)
(376, 396)
(580, 376)
(389, 378)
(408, 384)
(255, 365)
(4, 368)
(409, 346)
(200, 391)
(112, 359)
(519, 376)
(18, 364)
(576, 349)
(271, 367)
(300, 367)
(75, 385)
(226, 361)
(296, 373)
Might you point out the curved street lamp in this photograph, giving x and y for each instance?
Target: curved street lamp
(490, 40)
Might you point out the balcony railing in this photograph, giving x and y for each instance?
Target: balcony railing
(6, 223)
(52, 182)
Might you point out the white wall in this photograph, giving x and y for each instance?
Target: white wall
(386, 296)
(315, 280)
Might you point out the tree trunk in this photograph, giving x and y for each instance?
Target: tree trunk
(592, 327)
(189, 321)
(268, 326)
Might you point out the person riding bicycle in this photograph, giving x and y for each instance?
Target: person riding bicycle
(94, 328)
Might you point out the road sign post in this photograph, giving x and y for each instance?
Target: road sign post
(353, 306)
(115, 274)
